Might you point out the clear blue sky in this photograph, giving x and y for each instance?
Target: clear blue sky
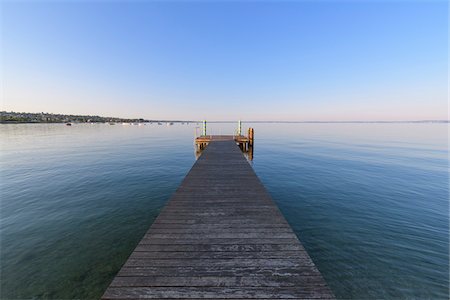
(270, 60)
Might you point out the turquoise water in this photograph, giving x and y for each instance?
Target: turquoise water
(368, 201)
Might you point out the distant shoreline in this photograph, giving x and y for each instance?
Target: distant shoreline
(49, 118)
(260, 122)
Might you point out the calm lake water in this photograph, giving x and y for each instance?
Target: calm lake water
(368, 201)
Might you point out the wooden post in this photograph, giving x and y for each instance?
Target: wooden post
(251, 136)
(239, 131)
(204, 127)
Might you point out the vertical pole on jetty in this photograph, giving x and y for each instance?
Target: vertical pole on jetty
(239, 131)
(251, 136)
(204, 127)
(251, 139)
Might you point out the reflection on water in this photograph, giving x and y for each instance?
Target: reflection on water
(368, 201)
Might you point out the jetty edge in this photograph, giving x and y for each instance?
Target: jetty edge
(220, 236)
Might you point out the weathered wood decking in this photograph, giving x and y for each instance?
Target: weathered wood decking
(220, 236)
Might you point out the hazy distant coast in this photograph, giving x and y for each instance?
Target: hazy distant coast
(23, 117)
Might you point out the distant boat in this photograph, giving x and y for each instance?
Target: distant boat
(169, 124)
(159, 123)
(112, 123)
(69, 124)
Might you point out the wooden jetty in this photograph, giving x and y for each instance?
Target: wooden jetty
(220, 236)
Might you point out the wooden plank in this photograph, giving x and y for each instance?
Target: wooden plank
(215, 230)
(220, 236)
(218, 281)
(218, 254)
(218, 226)
(199, 271)
(307, 292)
(233, 221)
(232, 235)
(220, 247)
(234, 241)
(236, 262)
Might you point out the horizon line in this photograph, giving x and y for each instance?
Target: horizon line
(246, 121)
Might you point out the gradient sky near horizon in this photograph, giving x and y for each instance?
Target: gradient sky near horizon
(228, 60)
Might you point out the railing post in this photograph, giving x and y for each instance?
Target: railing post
(204, 127)
(239, 131)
